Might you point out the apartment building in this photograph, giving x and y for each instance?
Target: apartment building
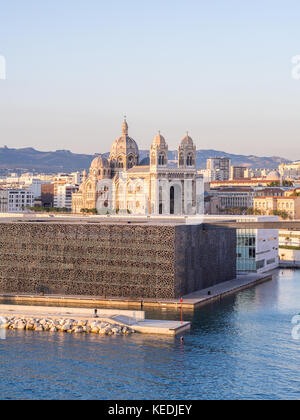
(290, 170)
(63, 195)
(219, 167)
(237, 172)
(269, 205)
(15, 200)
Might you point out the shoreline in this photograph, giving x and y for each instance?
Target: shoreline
(82, 320)
(190, 302)
(96, 326)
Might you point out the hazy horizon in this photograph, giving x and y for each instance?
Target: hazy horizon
(220, 70)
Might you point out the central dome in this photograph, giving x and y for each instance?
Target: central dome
(124, 145)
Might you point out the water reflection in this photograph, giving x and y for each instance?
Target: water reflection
(238, 348)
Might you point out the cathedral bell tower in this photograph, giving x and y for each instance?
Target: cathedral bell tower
(187, 153)
(159, 153)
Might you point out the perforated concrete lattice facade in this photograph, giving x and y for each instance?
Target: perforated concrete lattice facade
(114, 260)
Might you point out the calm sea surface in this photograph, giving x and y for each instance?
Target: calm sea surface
(240, 348)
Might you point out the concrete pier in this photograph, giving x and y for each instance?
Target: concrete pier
(218, 292)
(190, 301)
(135, 320)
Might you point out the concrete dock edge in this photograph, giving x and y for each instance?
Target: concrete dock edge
(190, 302)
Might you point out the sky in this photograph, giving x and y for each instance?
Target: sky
(219, 69)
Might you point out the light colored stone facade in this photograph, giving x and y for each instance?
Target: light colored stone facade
(121, 184)
(288, 205)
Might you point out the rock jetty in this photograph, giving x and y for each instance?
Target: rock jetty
(92, 326)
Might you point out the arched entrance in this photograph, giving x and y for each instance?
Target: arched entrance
(160, 201)
(172, 200)
(175, 199)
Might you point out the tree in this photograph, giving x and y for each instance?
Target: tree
(287, 183)
(89, 211)
(281, 213)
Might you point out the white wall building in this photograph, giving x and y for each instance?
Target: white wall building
(15, 200)
(219, 167)
(35, 186)
(291, 170)
(63, 196)
(257, 249)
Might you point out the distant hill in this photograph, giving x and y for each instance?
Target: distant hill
(241, 160)
(29, 159)
(32, 160)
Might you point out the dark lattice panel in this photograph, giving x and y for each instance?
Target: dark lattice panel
(96, 260)
(110, 260)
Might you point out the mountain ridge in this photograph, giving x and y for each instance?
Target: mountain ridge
(30, 159)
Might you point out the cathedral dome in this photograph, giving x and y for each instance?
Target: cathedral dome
(187, 141)
(159, 140)
(124, 144)
(99, 162)
(273, 176)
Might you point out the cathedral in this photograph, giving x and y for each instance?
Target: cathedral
(122, 184)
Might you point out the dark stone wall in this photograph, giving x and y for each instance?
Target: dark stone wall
(113, 260)
(205, 255)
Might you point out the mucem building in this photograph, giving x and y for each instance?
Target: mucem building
(145, 259)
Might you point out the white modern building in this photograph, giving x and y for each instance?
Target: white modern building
(219, 167)
(257, 249)
(63, 196)
(291, 170)
(15, 200)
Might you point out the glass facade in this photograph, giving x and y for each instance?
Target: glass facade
(246, 250)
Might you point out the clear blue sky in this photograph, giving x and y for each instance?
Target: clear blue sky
(220, 69)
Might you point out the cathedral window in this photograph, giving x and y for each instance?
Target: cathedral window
(160, 200)
(189, 160)
(120, 163)
(161, 159)
(130, 162)
(181, 159)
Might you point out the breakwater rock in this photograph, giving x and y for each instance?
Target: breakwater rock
(101, 327)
